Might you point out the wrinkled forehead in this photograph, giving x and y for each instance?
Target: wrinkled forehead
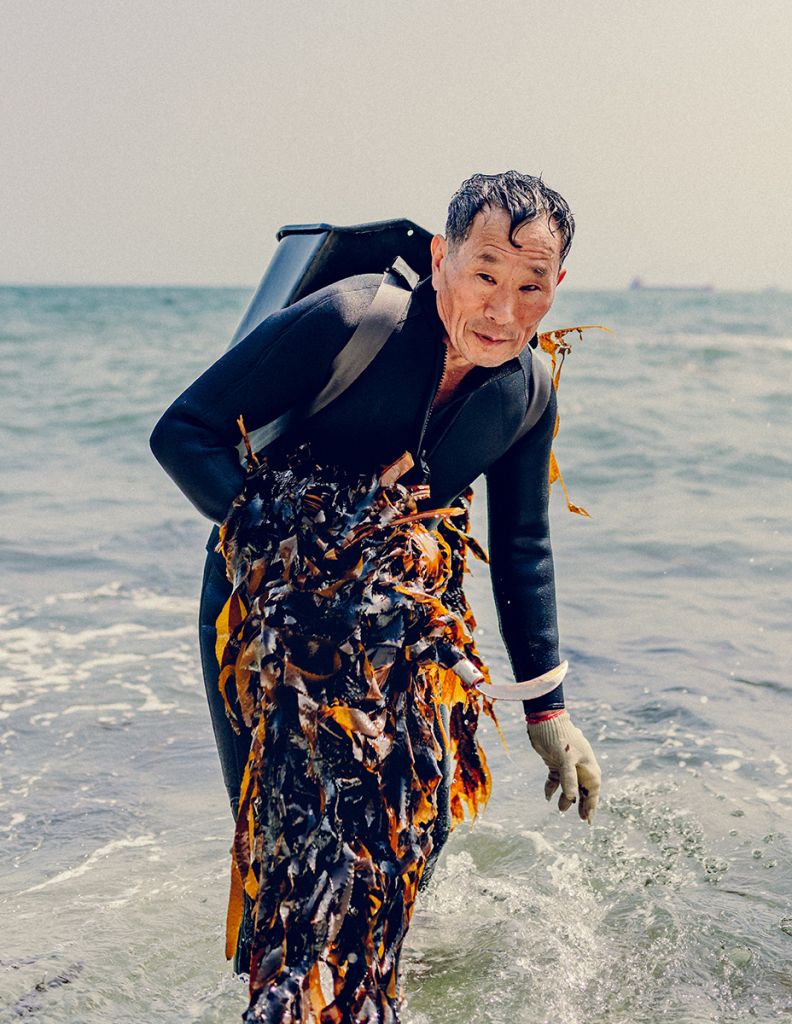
(491, 236)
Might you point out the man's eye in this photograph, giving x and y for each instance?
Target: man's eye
(529, 288)
(487, 278)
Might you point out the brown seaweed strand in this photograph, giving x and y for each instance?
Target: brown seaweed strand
(557, 345)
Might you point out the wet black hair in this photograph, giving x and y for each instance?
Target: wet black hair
(523, 196)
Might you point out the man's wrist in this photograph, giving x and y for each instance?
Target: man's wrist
(552, 701)
(537, 717)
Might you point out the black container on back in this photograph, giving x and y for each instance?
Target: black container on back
(310, 256)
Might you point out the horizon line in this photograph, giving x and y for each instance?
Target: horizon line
(647, 289)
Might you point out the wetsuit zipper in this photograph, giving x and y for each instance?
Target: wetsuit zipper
(423, 455)
(499, 373)
(427, 415)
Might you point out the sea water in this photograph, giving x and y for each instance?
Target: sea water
(675, 607)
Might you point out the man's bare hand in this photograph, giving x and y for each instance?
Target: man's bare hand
(573, 766)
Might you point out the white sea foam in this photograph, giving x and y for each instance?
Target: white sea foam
(539, 842)
(86, 637)
(16, 819)
(106, 660)
(74, 709)
(152, 702)
(171, 604)
(110, 589)
(174, 605)
(120, 899)
(99, 854)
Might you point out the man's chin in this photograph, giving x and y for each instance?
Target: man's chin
(494, 357)
(492, 352)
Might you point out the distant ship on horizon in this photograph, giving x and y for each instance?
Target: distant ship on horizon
(637, 285)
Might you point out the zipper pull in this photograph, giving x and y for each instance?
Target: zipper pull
(423, 469)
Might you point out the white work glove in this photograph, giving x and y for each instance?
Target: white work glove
(573, 766)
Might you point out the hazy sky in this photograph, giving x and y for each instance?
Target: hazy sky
(164, 141)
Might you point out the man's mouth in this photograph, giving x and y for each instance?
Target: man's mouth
(487, 339)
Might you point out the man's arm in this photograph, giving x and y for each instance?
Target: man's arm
(524, 585)
(282, 364)
(521, 558)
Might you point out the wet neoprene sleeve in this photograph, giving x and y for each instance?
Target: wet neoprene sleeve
(521, 558)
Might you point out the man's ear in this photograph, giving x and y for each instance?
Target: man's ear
(561, 277)
(439, 248)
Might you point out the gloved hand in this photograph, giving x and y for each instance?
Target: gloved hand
(568, 755)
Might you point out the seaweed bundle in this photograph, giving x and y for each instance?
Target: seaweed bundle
(346, 633)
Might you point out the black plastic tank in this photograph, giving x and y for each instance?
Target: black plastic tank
(310, 256)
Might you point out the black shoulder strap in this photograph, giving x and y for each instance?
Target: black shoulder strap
(386, 311)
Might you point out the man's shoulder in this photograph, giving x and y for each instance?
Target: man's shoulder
(532, 367)
(331, 313)
(526, 357)
(343, 302)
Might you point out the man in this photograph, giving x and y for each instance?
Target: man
(452, 385)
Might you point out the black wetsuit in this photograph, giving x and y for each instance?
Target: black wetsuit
(286, 361)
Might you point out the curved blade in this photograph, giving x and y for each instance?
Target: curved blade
(528, 690)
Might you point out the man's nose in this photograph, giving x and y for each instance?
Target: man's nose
(500, 306)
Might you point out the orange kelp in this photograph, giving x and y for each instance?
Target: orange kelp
(346, 632)
(556, 344)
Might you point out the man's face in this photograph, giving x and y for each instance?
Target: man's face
(490, 295)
